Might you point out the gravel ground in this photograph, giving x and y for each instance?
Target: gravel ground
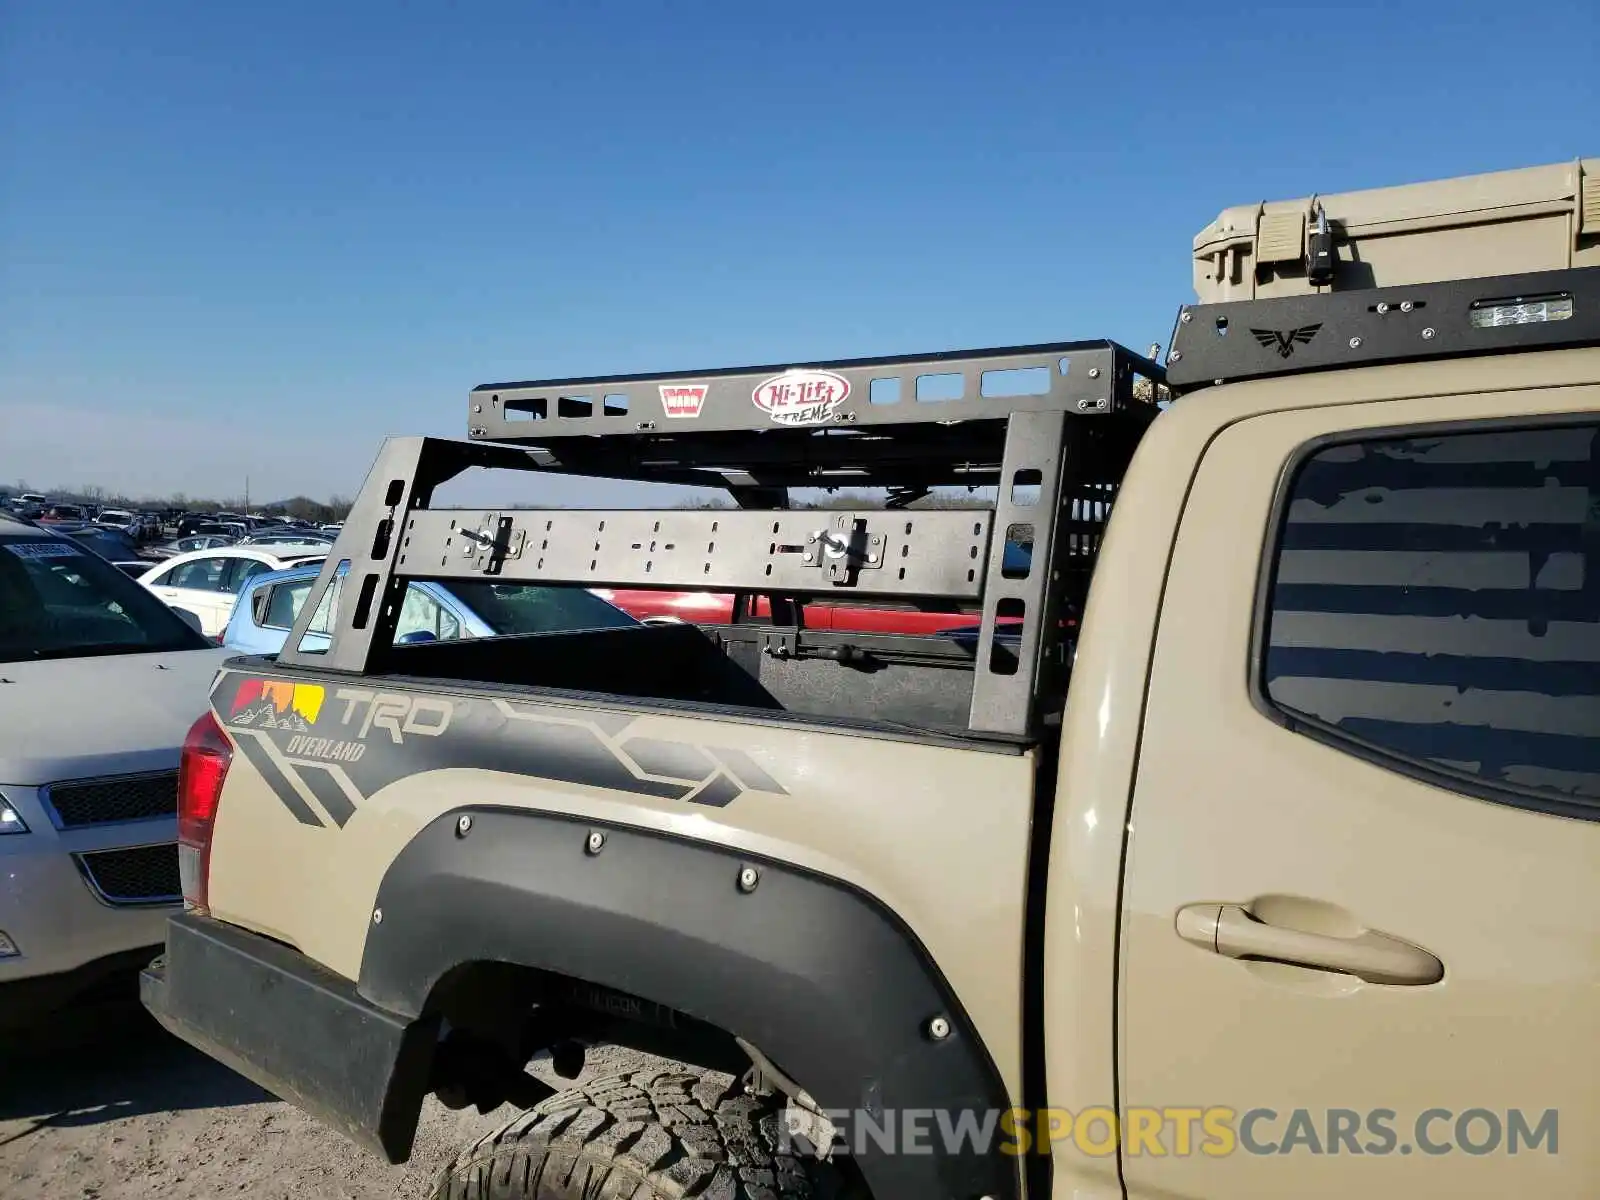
(107, 1106)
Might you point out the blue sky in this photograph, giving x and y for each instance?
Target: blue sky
(253, 239)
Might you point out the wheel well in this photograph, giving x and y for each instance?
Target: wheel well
(499, 1016)
(518, 1013)
(653, 944)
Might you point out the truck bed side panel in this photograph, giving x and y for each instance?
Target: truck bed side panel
(342, 774)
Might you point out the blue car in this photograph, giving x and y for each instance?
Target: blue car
(431, 612)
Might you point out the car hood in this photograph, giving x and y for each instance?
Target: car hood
(69, 718)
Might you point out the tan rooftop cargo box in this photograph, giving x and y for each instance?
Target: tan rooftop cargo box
(1506, 223)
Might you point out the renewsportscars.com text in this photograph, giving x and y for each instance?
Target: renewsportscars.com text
(1214, 1132)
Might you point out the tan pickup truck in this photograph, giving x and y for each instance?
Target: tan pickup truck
(1249, 847)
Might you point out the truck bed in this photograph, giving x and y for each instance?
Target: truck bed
(922, 682)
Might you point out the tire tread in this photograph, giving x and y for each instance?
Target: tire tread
(644, 1135)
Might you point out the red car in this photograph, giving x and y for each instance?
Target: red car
(716, 608)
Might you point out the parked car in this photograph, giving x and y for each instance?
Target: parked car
(287, 537)
(189, 523)
(186, 545)
(131, 567)
(270, 602)
(856, 616)
(118, 518)
(57, 514)
(106, 541)
(100, 683)
(207, 582)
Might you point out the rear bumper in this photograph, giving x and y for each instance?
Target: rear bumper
(295, 1029)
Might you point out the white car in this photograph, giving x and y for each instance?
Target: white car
(98, 684)
(275, 539)
(119, 518)
(207, 582)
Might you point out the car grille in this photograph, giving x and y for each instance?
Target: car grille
(101, 801)
(141, 875)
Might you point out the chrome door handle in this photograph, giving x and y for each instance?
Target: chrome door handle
(1229, 930)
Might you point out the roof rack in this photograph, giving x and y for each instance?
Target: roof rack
(1252, 339)
(1053, 426)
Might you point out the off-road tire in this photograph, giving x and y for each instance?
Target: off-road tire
(645, 1135)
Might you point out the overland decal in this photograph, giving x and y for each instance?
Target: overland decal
(272, 704)
(330, 747)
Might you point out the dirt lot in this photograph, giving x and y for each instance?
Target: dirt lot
(109, 1107)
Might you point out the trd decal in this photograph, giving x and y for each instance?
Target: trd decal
(395, 713)
(325, 750)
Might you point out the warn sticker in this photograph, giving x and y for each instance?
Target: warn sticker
(801, 397)
(683, 400)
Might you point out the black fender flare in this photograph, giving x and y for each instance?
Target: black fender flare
(818, 975)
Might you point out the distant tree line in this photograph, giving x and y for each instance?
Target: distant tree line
(302, 508)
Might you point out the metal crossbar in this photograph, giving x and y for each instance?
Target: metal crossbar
(1084, 378)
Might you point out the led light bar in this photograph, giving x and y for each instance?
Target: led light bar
(1520, 310)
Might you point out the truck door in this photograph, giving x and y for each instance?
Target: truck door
(1361, 911)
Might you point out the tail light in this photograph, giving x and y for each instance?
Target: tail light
(207, 755)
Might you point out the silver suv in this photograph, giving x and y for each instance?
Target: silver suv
(98, 683)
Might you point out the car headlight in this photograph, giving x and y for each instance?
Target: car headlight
(10, 820)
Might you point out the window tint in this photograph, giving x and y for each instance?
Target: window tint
(285, 604)
(58, 600)
(322, 619)
(240, 572)
(203, 574)
(514, 608)
(449, 627)
(419, 613)
(1437, 599)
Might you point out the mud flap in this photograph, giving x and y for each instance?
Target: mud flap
(295, 1029)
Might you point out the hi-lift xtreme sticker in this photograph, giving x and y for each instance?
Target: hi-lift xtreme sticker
(801, 397)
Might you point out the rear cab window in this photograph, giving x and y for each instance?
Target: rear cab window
(1434, 605)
